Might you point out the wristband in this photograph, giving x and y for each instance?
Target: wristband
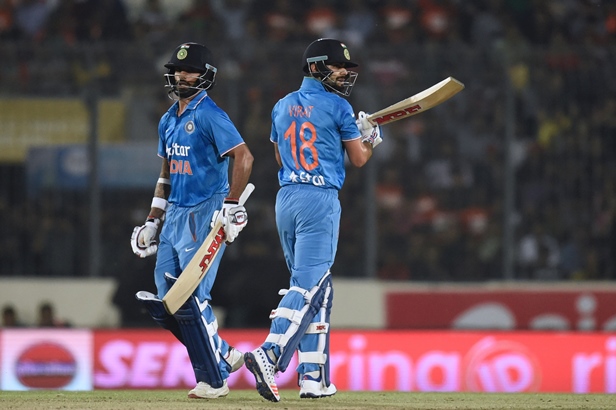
(160, 203)
(164, 181)
(232, 201)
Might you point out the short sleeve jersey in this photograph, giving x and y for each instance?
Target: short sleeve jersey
(195, 144)
(310, 126)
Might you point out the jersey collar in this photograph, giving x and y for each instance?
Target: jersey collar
(200, 96)
(312, 84)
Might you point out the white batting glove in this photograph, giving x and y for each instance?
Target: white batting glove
(143, 239)
(233, 218)
(369, 133)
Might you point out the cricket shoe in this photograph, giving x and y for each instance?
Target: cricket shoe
(264, 369)
(235, 358)
(205, 391)
(313, 388)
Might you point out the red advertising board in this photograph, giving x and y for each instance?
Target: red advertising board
(387, 360)
(516, 309)
(436, 361)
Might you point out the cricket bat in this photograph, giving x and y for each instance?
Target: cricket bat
(418, 103)
(199, 265)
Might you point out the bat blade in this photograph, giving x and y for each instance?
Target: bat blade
(418, 103)
(199, 265)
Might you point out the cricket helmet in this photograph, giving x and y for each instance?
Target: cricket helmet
(328, 51)
(192, 58)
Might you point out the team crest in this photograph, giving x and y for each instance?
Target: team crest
(189, 127)
(347, 55)
(182, 54)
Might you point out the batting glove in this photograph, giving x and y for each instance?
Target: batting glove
(369, 132)
(143, 239)
(233, 218)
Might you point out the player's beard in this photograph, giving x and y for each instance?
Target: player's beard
(186, 89)
(338, 84)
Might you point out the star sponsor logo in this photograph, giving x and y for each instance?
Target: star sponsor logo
(306, 178)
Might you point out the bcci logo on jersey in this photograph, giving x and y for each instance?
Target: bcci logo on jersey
(189, 127)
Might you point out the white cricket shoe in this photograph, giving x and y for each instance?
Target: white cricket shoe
(235, 358)
(205, 391)
(315, 389)
(264, 370)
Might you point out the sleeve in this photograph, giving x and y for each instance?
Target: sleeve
(219, 130)
(162, 147)
(273, 134)
(346, 119)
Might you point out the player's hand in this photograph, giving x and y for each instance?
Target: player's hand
(233, 218)
(143, 239)
(369, 133)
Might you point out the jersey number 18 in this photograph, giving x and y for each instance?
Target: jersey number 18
(291, 134)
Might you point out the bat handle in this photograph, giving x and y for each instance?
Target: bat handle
(247, 191)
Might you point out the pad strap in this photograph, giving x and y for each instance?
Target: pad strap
(318, 327)
(291, 314)
(312, 357)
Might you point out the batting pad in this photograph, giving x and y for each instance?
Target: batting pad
(313, 350)
(292, 318)
(157, 310)
(199, 337)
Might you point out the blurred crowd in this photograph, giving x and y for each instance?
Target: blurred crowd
(46, 317)
(540, 71)
(246, 27)
(360, 22)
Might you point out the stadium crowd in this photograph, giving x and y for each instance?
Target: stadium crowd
(441, 177)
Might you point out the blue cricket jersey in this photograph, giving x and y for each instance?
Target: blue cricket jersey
(195, 145)
(309, 125)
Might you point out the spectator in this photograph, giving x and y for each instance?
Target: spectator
(321, 19)
(153, 23)
(8, 30)
(359, 22)
(399, 22)
(437, 20)
(31, 18)
(9, 317)
(47, 317)
(234, 14)
(280, 23)
(538, 254)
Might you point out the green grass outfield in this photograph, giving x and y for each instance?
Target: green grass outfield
(249, 399)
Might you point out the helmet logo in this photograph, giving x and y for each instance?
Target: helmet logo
(346, 53)
(182, 54)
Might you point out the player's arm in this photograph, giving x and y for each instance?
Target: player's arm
(277, 155)
(143, 239)
(162, 190)
(358, 151)
(242, 168)
(233, 215)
